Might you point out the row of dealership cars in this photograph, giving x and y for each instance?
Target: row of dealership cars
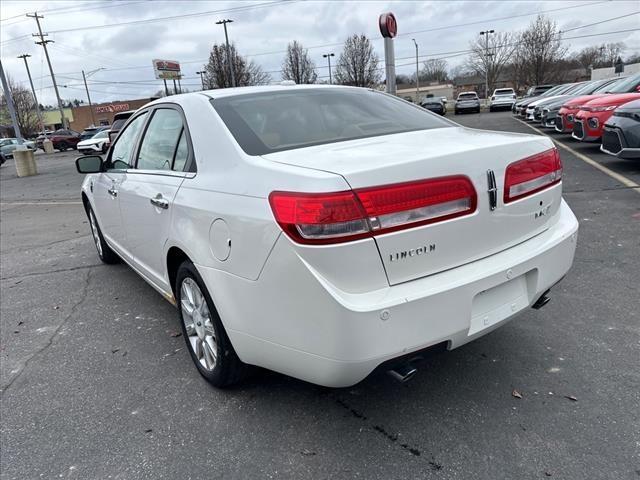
(605, 111)
(92, 139)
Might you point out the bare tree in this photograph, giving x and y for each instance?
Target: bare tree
(490, 55)
(246, 72)
(599, 56)
(539, 49)
(588, 58)
(433, 70)
(611, 52)
(358, 63)
(297, 65)
(25, 108)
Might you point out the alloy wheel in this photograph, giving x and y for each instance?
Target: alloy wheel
(200, 330)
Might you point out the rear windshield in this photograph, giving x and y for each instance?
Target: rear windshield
(505, 91)
(268, 122)
(467, 96)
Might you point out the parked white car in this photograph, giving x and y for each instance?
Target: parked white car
(502, 98)
(325, 231)
(98, 143)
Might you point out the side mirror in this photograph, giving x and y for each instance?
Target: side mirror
(89, 164)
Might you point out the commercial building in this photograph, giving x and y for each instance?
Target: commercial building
(102, 113)
(436, 90)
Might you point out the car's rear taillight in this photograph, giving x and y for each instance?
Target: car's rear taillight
(532, 174)
(314, 218)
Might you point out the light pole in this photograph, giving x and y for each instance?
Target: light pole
(24, 56)
(84, 78)
(226, 39)
(201, 73)
(417, 74)
(486, 34)
(328, 57)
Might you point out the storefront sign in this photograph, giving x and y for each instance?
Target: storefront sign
(117, 107)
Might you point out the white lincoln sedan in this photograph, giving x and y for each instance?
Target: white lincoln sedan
(323, 231)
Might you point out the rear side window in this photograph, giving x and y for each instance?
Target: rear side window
(268, 122)
(160, 140)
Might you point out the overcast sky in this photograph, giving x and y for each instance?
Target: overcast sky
(93, 34)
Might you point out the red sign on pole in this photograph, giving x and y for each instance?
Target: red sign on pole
(388, 25)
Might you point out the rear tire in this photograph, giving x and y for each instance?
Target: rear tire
(104, 251)
(62, 146)
(204, 334)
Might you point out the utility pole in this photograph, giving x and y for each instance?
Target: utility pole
(229, 60)
(44, 42)
(417, 74)
(8, 95)
(486, 34)
(84, 77)
(24, 56)
(201, 73)
(328, 57)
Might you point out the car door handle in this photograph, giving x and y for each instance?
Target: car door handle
(159, 201)
(113, 192)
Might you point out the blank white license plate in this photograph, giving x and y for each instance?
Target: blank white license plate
(494, 305)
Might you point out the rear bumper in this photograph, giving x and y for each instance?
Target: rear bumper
(293, 321)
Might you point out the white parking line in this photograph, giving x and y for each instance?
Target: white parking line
(616, 176)
(39, 203)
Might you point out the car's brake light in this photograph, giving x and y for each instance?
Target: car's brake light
(314, 218)
(532, 174)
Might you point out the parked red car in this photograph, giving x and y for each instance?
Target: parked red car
(62, 139)
(565, 118)
(590, 119)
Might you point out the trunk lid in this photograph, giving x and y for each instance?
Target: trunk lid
(434, 153)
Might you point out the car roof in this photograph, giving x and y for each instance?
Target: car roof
(228, 92)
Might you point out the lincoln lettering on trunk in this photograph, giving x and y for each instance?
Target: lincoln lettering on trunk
(414, 252)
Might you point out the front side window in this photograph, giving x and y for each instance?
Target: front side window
(268, 122)
(123, 148)
(160, 140)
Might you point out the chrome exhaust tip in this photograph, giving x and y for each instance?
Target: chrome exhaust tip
(542, 301)
(403, 373)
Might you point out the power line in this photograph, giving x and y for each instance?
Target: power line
(162, 19)
(71, 9)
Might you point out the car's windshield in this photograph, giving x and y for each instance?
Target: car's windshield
(591, 87)
(608, 86)
(467, 96)
(101, 134)
(626, 85)
(273, 121)
(558, 89)
(504, 91)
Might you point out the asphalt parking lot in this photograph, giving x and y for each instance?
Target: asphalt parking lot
(96, 384)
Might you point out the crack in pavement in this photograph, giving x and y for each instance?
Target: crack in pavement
(74, 307)
(23, 248)
(394, 439)
(70, 269)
